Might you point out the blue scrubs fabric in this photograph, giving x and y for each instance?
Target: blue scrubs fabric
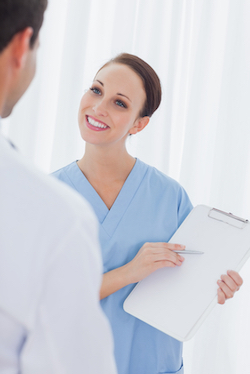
(149, 208)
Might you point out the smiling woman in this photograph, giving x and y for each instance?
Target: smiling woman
(138, 207)
(112, 104)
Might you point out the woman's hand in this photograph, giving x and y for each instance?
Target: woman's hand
(153, 256)
(228, 285)
(150, 257)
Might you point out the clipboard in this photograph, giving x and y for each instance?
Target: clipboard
(177, 300)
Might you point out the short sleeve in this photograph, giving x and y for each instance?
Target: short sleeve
(184, 207)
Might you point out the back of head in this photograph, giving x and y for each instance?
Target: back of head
(16, 15)
(150, 79)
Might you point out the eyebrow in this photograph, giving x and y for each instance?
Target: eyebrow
(120, 94)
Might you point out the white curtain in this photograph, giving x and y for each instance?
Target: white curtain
(200, 135)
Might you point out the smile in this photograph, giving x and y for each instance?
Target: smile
(95, 123)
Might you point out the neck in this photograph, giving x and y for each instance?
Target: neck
(2, 93)
(5, 75)
(108, 164)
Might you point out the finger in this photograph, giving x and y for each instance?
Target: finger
(229, 282)
(175, 262)
(236, 277)
(152, 254)
(162, 253)
(221, 296)
(226, 290)
(171, 246)
(169, 256)
(163, 264)
(175, 247)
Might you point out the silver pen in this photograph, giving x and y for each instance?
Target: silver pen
(188, 251)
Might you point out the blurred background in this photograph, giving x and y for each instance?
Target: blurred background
(199, 136)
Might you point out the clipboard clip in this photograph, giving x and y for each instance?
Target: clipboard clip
(228, 218)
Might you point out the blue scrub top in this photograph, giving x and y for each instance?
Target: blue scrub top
(149, 208)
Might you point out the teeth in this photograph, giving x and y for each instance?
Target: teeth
(95, 123)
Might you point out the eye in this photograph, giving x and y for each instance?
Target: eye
(121, 104)
(95, 90)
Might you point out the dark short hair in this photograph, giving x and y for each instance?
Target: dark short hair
(150, 79)
(16, 15)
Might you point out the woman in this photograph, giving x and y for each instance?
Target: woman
(138, 208)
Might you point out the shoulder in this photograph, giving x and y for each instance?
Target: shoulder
(166, 191)
(68, 174)
(64, 170)
(34, 194)
(160, 180)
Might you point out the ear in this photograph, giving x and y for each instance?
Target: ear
(139, 125)
(20, 46)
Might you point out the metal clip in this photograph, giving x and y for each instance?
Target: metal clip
(230, 215)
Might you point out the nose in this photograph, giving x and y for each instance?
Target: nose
(100, 108)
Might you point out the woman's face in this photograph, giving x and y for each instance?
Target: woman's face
(109, 110)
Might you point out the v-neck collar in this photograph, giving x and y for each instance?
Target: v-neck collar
(109, 219)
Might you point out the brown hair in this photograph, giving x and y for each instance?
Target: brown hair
(16, 15)
(150, 79)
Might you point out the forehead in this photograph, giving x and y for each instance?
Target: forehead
(121, 77)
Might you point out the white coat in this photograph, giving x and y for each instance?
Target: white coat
(50, 273)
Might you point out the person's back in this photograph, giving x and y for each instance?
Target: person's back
(49, 274)
(50, 264)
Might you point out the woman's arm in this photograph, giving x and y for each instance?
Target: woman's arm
(150, 257)
(153, 256)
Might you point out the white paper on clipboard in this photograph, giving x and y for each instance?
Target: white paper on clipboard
(178, 300)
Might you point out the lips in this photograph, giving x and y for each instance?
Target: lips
(95, 125)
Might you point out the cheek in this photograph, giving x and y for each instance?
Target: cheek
(125, 123)
(83, 105)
